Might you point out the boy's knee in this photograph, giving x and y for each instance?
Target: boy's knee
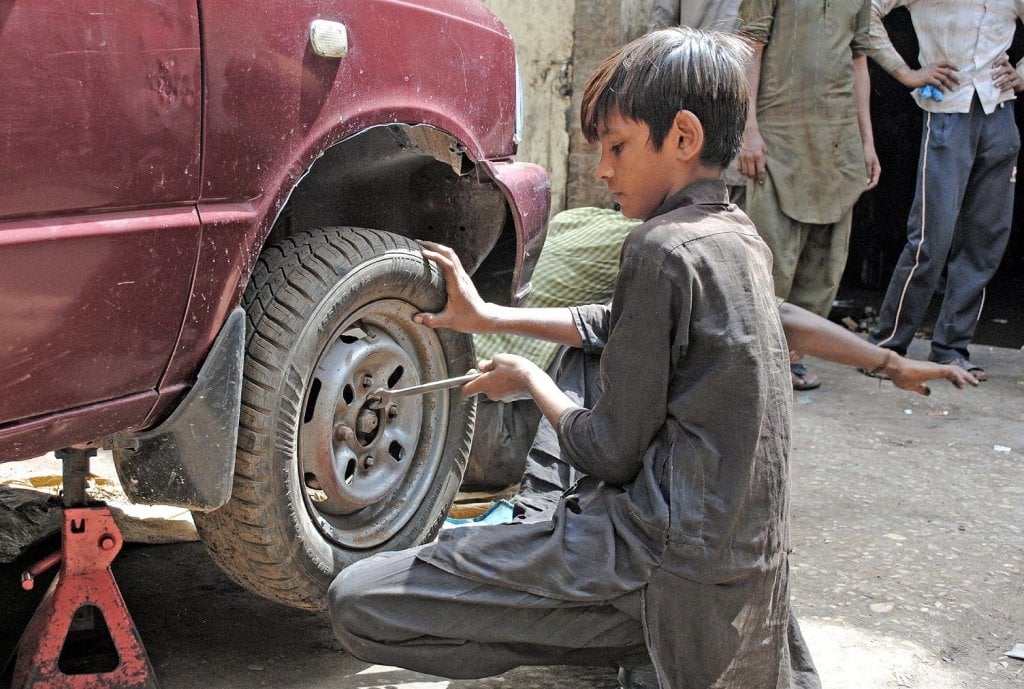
(346, 602)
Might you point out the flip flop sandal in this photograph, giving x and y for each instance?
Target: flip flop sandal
(977, 371)
(803, 379)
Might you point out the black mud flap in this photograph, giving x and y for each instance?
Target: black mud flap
(189, 459)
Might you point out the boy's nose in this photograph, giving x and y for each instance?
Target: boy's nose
(603, 171)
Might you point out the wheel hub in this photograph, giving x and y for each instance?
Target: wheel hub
(355, 456)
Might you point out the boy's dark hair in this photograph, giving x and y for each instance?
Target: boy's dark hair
(651, 79)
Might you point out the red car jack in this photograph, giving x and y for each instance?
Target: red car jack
(54, 651)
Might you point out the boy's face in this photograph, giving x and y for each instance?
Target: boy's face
(638, 177)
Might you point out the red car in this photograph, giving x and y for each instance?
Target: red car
(207, 215)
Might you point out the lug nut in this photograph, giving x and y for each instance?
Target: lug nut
(367, 380)
(392, 412)
(343, 433)
(367, 422)
(367, 463)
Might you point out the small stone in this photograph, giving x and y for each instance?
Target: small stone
(882, 607)
(1016, 652)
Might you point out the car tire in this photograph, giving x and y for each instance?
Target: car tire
(322, 478)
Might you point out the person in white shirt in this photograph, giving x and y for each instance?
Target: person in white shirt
(963, 205)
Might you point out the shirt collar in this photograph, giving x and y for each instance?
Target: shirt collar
(705, 191)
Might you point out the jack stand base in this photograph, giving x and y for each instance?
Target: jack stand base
(85, 584)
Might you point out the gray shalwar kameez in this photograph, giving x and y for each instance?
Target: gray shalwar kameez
(676, 534)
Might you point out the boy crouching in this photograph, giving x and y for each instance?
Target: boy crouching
(672, 539)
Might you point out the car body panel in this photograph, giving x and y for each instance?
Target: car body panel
(273, 83)
(99, 157)
(528, 190)
(92, 306)
(101, 105)
(273, 105)
(143, 172)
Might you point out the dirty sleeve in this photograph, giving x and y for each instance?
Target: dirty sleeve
(756, 19)
(611, 440)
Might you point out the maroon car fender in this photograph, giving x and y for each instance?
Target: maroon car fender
(255, 157)
(527, 188)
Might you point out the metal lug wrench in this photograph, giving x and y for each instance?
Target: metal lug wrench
(378, 398)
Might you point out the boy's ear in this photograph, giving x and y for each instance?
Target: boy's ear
(687, 135)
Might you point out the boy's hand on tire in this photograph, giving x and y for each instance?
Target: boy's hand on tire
(465, 310)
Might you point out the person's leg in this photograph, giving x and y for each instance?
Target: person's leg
(546, 476)
(501, 439)
(780, 232)
(801, 669)
(737, 634)
(821, 264)
(394, 609)
(981, 235)
(943, 169)
(786, 239)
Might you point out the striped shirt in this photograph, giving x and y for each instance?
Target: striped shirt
(578, 265)
(972, 34)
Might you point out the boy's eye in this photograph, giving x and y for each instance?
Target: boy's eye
(616, 148)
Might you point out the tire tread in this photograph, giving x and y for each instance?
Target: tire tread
(250, 536)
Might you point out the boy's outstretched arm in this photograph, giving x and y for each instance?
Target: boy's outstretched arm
(808, 333)
(467, 312)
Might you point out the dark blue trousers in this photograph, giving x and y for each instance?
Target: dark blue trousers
(960, 222)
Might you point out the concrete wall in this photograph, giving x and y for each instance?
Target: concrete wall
(543, 32)
(559, 43)
(601, 27)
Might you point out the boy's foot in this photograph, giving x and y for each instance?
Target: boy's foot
(802, 378)
(977, 371)
(642, 677)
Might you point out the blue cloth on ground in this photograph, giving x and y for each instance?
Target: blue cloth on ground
(500, 512)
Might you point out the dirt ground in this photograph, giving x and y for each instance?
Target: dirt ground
(908, 523)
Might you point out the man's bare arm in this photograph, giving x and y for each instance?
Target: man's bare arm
(754, 155)
(808, 333)
(862, 94)
(940, 74)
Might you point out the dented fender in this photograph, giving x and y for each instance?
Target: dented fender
(527, 188)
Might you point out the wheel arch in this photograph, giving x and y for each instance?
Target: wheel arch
(416, 181)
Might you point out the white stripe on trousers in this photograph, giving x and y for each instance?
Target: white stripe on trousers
(920, 243)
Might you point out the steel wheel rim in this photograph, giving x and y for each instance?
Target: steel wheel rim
(364, 471)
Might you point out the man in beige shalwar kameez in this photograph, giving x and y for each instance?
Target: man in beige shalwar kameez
(808, 149)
